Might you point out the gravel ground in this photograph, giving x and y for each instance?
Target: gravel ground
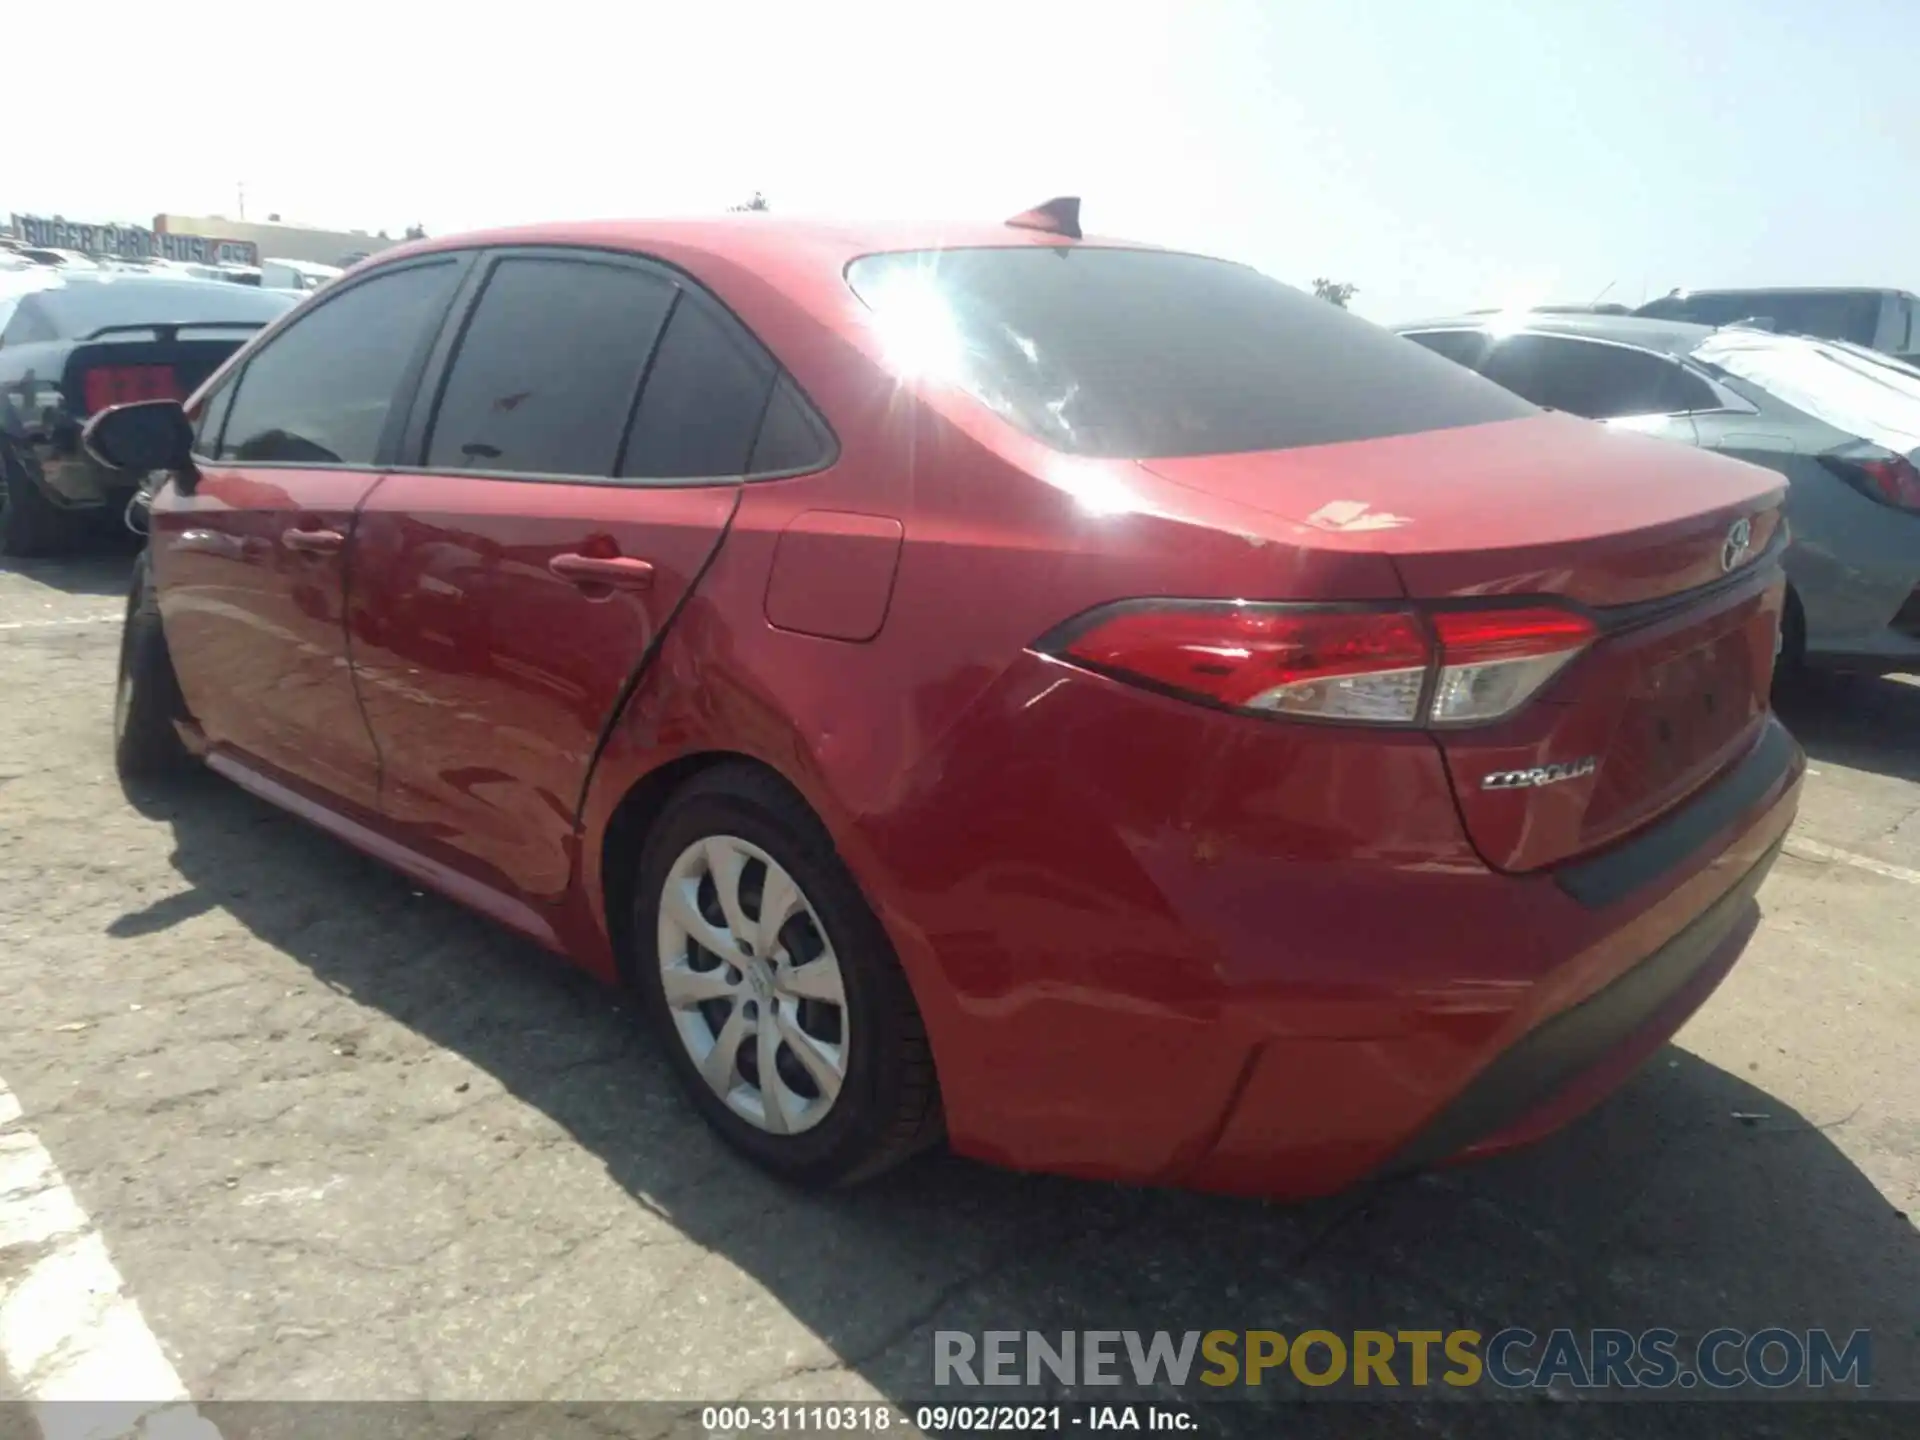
(345, 1141)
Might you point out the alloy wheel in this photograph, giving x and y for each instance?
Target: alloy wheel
(753, 985)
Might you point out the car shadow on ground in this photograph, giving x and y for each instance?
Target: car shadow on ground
(101, 569)
(1691, 1200)
(1864, 722)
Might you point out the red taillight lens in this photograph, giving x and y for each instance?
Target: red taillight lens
(109, 385)
(1896, 480)
(1890, 479)
(1493, 661)
(1356, 665)
(1360, 666)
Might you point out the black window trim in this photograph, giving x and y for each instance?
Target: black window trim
(1730, 404)
(403, 388)
(409, 450)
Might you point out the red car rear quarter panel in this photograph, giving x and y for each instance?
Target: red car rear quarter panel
(1116, 909)
(1011, 840)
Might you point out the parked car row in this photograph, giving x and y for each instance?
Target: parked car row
(1839, 421)
(1092, 702)
(269, 273)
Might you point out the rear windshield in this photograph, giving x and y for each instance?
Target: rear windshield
(1872, 397)
(1147, 354)
(76, 310)
(1832, 315)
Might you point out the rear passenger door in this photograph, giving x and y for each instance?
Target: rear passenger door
(572, 465)
(1625, 386)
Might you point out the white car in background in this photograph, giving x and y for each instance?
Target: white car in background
(297, 274)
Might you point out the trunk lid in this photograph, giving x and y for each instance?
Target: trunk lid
(1642, 534)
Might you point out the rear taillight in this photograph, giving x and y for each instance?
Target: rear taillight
(109, 385)
(1891, 479)
(1493, 661)
(1357, 666)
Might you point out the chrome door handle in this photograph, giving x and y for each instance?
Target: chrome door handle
(619, 571)
(313, 542)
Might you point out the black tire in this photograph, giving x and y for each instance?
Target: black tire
(888, 1106)
(30, 524)
(146, 702)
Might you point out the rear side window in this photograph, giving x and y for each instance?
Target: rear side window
(319, 393)
(1598, 381)
(1145, 353)
(1463, 347)
(791, 438)
(545, 375)
(705, 394)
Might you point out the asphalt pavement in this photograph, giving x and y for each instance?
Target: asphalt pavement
(332, 1138)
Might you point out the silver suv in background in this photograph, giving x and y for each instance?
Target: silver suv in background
(1841, 422)
(1883, 320)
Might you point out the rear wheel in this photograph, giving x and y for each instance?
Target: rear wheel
(30, 524)
(146, 700)
(783, 1008)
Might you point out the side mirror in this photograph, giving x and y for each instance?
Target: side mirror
(145, 436)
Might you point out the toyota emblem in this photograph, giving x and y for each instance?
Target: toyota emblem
(1739, 542)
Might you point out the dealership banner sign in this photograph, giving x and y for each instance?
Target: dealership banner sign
(132, 242)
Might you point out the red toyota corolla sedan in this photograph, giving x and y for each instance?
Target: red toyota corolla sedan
(1092, 702)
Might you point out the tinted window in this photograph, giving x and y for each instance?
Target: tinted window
(81, 307)
(213, 415)
(791, 438)
(1463, 347)
(1144, 353)
(545, 375)
(319, 392)
(1832, 314)
(704, 398)
(1594, 380)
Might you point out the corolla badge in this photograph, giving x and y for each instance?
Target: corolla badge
(1540, 775)
(1739, 542)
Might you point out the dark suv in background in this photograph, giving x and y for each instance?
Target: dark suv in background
(1884, 320)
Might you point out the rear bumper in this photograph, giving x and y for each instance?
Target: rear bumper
(1571, 1061)
(1268, 961)
(1581, 1034)
(1884, 652)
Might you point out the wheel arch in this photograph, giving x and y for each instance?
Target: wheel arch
(632, 820)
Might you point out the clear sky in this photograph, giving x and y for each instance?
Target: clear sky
(1437, 153)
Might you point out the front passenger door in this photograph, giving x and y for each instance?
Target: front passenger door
(253, 561)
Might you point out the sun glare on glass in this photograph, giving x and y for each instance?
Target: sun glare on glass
(917, 329)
